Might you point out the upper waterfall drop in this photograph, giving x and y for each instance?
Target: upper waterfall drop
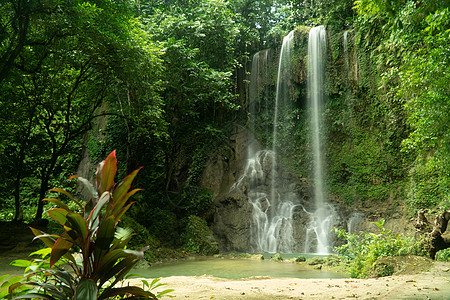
(271, 228)
(322, 219)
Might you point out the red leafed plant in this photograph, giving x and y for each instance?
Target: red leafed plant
(103, 259)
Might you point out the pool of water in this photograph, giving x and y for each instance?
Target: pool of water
(234, 269)
(230, 268)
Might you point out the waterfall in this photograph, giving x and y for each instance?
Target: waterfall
(271, 227)
(281, 216)
(323, 217)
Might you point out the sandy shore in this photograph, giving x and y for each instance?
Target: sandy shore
(434, 284)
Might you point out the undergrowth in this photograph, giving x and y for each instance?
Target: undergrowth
(360, 251)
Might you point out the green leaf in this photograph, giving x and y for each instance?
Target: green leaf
(165, 292)
(105, 236)
(108, 266)
(121, 269)
(3, 277)
(123, 211)
(42, 252)
(98, 208)
(133, 290)
(58, 214)
(110, 259)
(46, 238)
(34, 296)
(118, 205)
(78, 224)
(91, 189)
(106, 172)
(58, 190)
(22, 263)
(86, 290)
(57, 202)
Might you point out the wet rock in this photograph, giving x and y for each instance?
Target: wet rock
(277, 257)
(315, 261)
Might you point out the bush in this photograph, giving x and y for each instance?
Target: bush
(300, 259)
(382, 269)
(443, 255)
(362, 250)
(277, 257)
(198, 238)
(315, 261)
(91, 243)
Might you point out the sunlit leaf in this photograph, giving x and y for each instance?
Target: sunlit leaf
(106, 173)
(58, 202)
(58, 214)
(123, 187)
(20, 263)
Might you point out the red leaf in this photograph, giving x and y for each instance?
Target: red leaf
(60, 248)
(123, 187)
(106, 171)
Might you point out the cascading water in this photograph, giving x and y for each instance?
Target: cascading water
(322, 220)
(272, 210)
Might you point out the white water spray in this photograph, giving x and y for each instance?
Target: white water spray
(322, 219)
(272, 210)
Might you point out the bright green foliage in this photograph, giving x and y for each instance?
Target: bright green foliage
(424, 78)
(443, 255)
(198, 238)
(363, 249)
(61, 61)
(91, 243)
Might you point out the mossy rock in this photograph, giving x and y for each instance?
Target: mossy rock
(256, 257)
(277, 257)
(333, 260)
(198, 238)
(409, 264)
(300, 259)
(315, 261)
(381, 269)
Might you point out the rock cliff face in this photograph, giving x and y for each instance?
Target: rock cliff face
(232, 213)
(346, 84)
(232, 225)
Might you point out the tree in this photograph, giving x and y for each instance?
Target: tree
(74, 58)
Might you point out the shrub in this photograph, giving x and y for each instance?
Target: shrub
(277, 257)
(443, 255)
(91, 244)
(363, 249)
(198, 238)
(300, 259)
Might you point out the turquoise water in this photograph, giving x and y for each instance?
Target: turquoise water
(234, 269)
(230, 268)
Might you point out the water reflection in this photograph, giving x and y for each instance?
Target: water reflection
(235, 269)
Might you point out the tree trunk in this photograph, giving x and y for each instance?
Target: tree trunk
(434, 233)
(18, 215)
(46, 174)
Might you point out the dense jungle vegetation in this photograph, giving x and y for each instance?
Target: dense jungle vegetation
(161, 81)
